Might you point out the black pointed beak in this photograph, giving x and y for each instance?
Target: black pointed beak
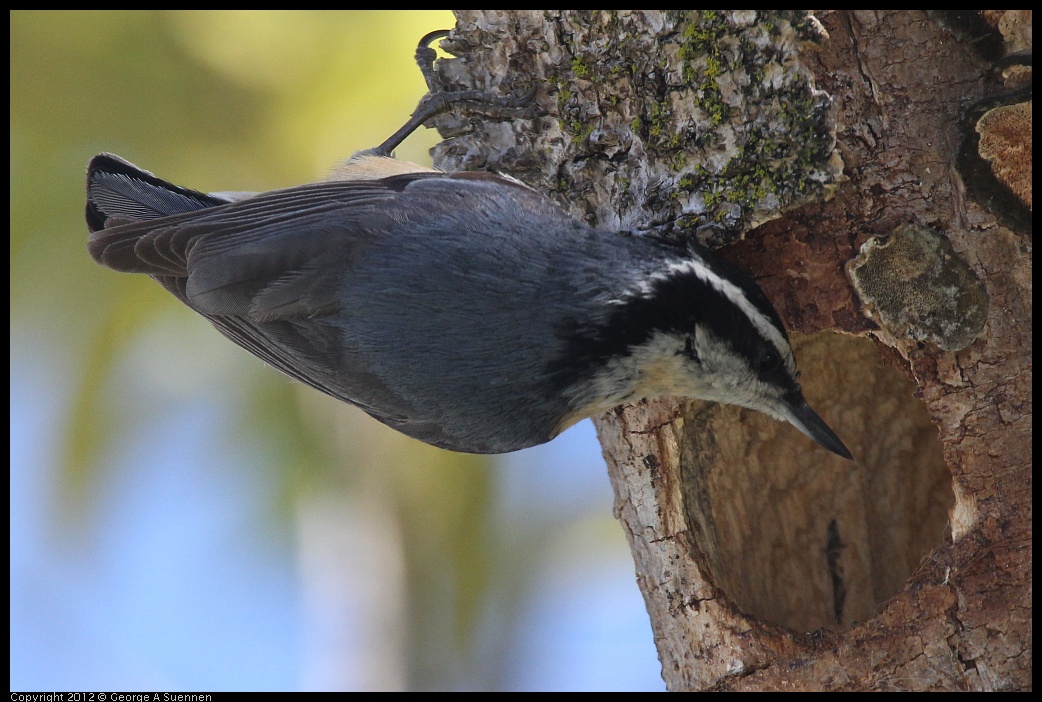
(798, 413)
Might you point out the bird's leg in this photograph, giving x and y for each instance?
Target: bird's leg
(437, 101)
(425, 56)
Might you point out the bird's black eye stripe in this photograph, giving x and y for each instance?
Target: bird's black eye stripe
(768, 361)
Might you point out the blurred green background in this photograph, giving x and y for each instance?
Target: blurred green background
(183, 517)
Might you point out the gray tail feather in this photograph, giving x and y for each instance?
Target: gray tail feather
(118, 192)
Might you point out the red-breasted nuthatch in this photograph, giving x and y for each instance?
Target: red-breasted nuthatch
(463, 309)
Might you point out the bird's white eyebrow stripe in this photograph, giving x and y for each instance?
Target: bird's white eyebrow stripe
(678, 266)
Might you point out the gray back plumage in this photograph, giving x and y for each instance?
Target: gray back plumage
(383, 293)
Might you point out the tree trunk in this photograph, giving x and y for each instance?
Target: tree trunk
(839, 162)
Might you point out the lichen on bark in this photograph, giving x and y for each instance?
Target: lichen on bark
(682, 122)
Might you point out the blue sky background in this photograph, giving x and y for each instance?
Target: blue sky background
(171, 584)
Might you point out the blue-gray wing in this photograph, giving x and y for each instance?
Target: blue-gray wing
(270, 271)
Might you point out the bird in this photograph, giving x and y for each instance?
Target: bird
(463, 309)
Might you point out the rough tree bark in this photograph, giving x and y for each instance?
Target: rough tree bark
(838, 159)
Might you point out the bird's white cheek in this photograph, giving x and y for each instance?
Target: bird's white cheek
(669, 375)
